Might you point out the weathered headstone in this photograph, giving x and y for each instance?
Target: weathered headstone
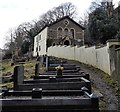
(18, 76)
(47, 63)
(37, 67)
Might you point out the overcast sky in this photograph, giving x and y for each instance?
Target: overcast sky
(15, 12)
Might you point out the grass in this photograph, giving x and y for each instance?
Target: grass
(102, 104)
(29, 68)
(107, 78)
(9, 85)
(7, 66)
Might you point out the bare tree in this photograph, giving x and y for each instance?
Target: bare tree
(18, 37)
(27, 30)
(66, 9)
(9, 39)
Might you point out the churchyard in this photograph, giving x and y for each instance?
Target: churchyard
(41, 79)
(64, 88)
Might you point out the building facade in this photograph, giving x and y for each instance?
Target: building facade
(62, 32)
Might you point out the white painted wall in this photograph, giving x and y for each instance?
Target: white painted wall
(98, 58)
(103, 59)
(41, 42)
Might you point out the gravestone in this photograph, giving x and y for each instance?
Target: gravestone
(37, 68)
(59, 73)
(47, 63)
(18, 76)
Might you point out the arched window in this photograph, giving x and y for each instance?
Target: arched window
(59, 32)
(66, 32)
(72, 33)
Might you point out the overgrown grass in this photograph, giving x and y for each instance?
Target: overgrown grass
(9, 85)
(6, 64)
(29, 70)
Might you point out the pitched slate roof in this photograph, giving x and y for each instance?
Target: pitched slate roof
(65, 17)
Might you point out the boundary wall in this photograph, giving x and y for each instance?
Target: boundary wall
(97, 57)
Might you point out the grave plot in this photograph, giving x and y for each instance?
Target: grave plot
(49, 100)
(50, 91)
(51, 83)
(50, 65)
(51, 68)
(64, 74)
(52, 60)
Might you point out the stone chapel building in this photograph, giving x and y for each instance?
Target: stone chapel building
(64, 31)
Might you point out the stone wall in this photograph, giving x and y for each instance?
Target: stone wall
(79, 33)
(115, 62)
(97, 57)
(105, 58)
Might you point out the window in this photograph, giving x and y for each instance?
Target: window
(66, 32)
(72, 33)
(39, 48)
(39, 37)
(59, 32)
(66, 22)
